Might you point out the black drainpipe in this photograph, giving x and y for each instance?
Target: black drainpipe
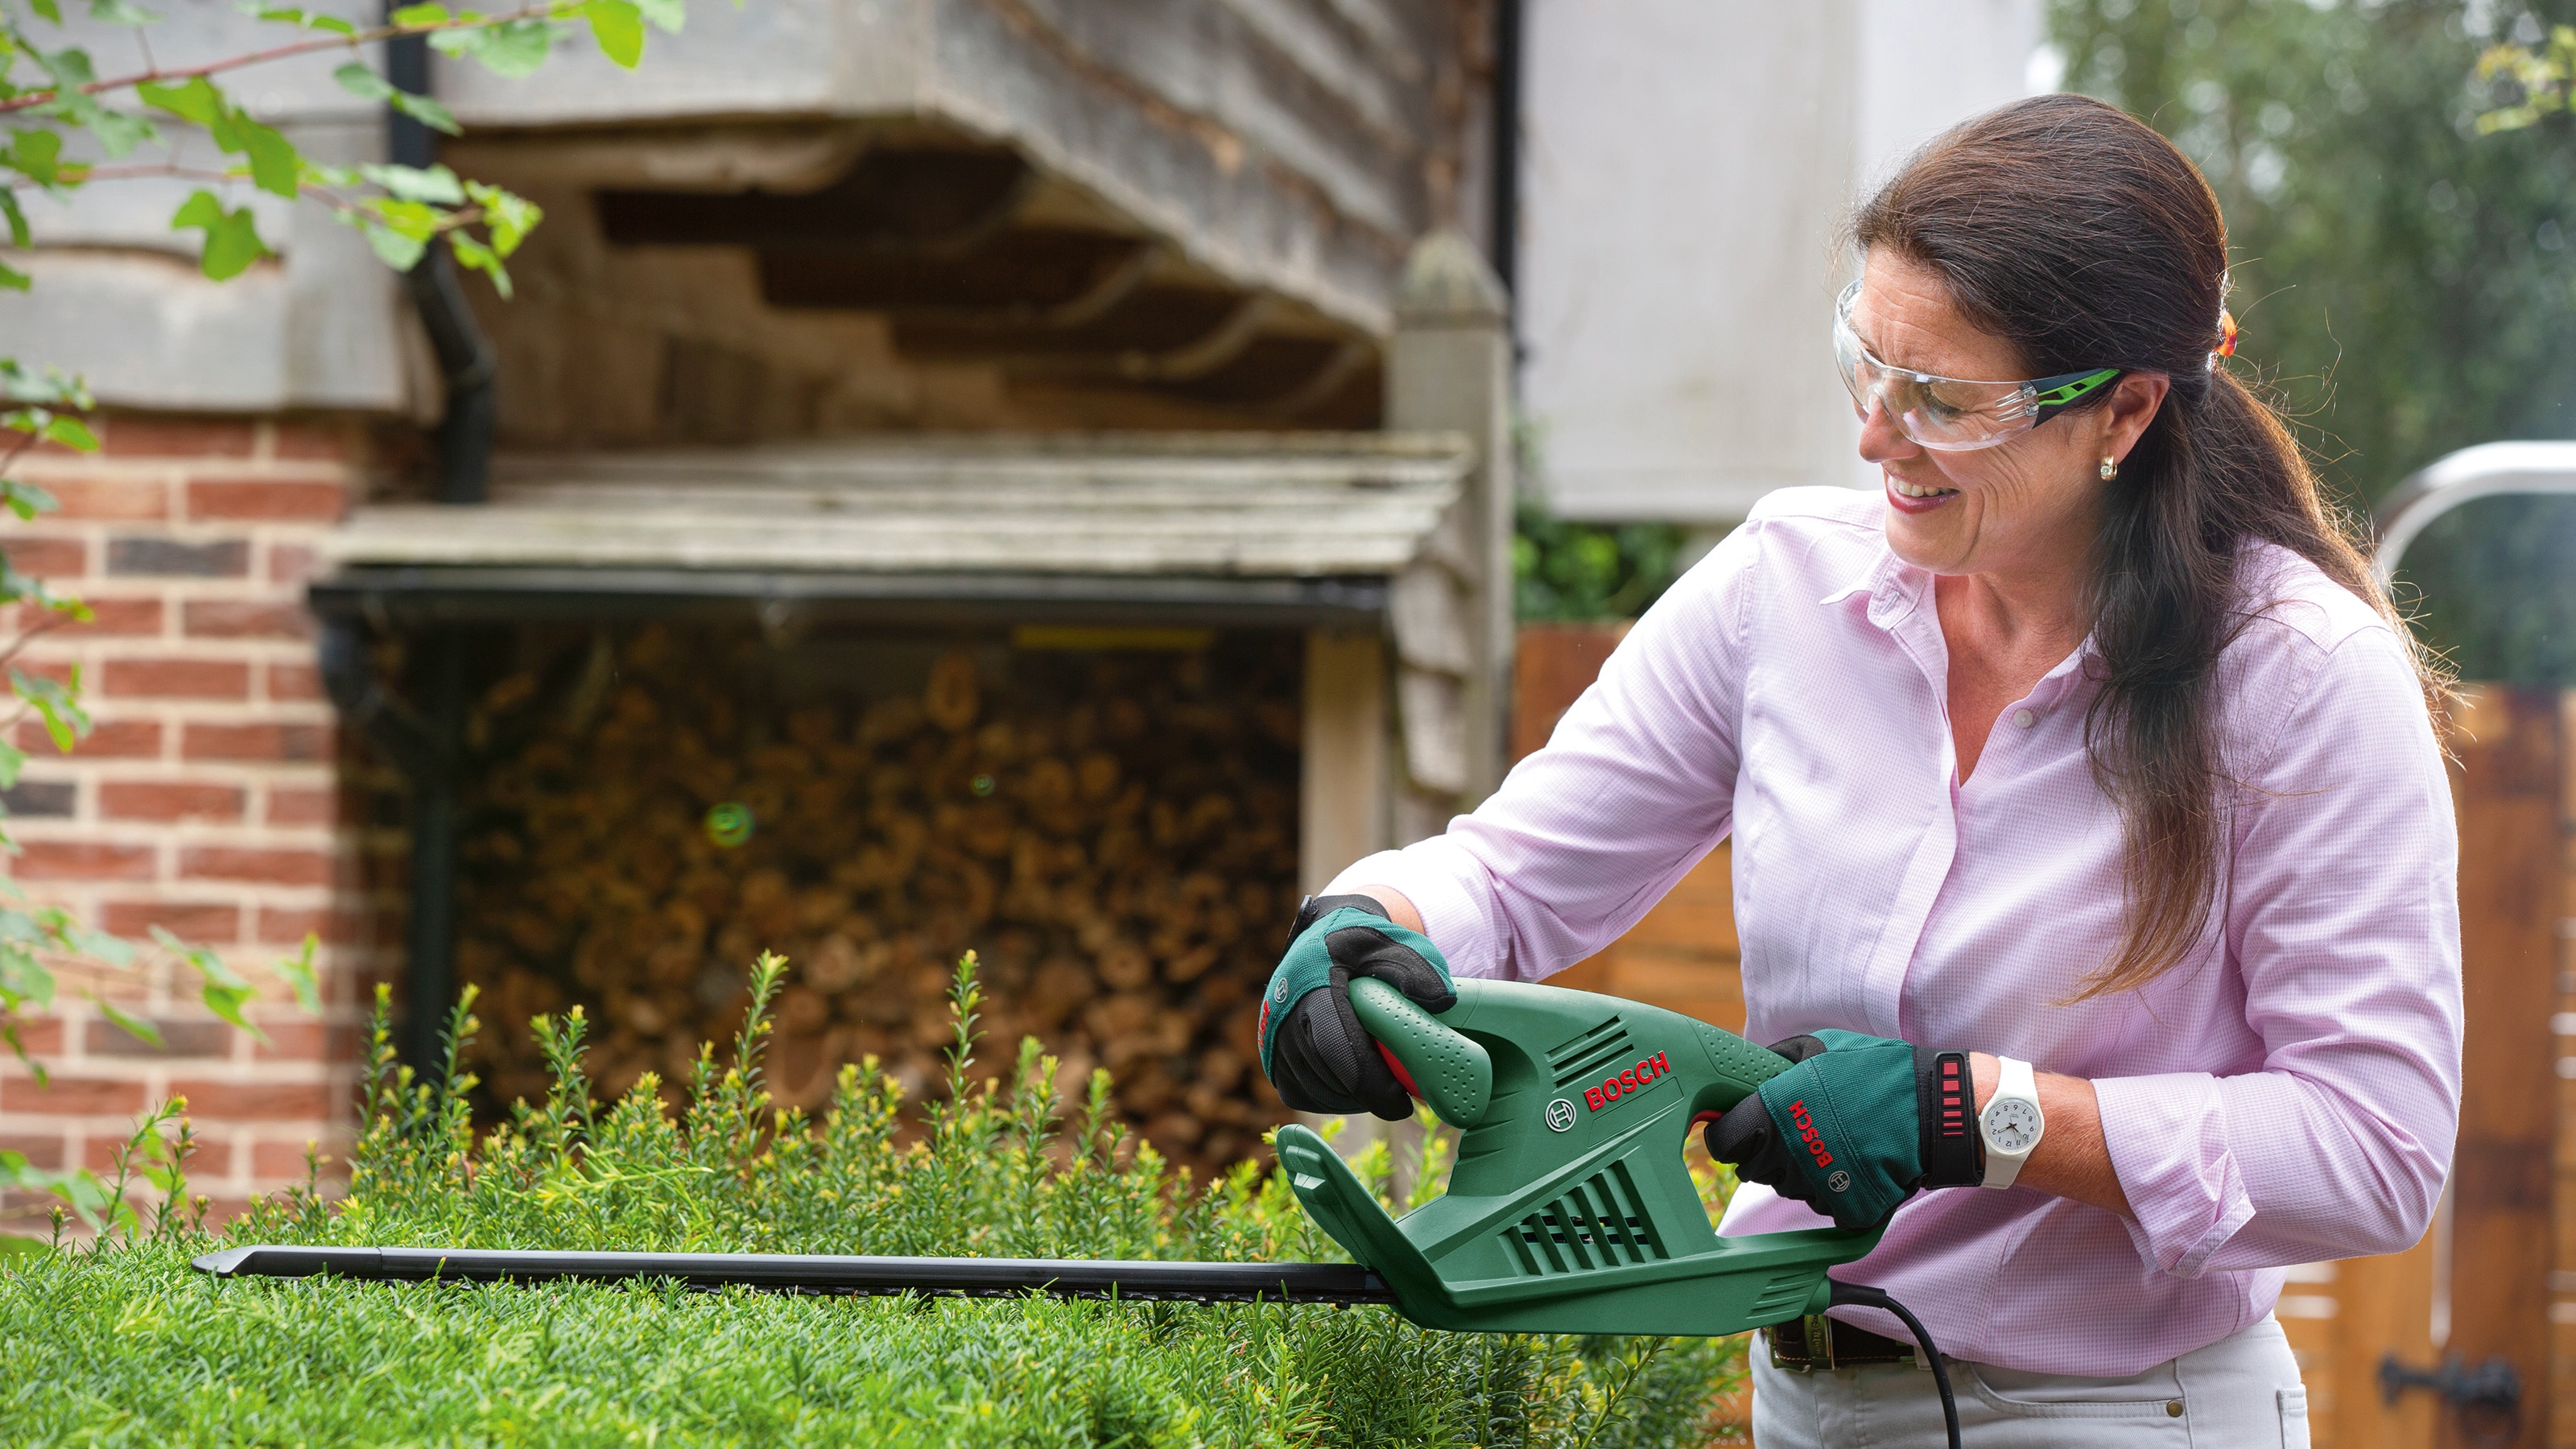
(425, 743)
(1505, 223)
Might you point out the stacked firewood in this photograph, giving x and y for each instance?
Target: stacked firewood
(1114, 835)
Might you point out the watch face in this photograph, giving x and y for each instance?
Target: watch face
(2012, 1126)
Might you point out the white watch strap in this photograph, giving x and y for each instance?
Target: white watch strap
(2015, 1082)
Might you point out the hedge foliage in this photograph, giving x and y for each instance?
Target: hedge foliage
(118, 1341)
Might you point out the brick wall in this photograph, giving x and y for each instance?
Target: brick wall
(208, 799)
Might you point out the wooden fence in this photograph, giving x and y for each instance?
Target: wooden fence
(2487, 1280)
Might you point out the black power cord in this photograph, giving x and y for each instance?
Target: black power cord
(1854, 1295)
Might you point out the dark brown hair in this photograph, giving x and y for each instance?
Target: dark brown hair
(2087, 240)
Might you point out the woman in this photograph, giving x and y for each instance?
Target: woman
(2090, 751)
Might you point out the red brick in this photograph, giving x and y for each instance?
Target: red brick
(287, 806)
(82, 860)
(178, 1039)
(294, 681)
(248, 619)
(42, 1036)
(72, 1096)
(168, 800)
(290, 563)
(306, 1041)
(113, 739)
(272, 867)
(107, 616)
(49, 558)
(176, 679)
(281, 927)
(265, 498)
(176, 437)
(292, 743)
(205, 923)
(310, 440)
(254, 1101)
(284, 1158)
(126, 498)
(43, 1153)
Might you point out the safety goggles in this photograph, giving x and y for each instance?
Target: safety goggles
(1952, 414)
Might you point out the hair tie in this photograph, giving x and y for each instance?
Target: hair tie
(2226, 338)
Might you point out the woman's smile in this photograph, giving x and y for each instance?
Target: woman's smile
(1915, 498)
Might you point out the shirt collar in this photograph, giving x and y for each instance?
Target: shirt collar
(1895, 589)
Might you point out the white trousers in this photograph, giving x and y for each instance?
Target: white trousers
(2239, 1393)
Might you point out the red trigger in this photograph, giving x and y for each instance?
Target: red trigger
(1403, 1078)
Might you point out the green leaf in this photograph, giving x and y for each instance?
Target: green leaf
(298, 971)
(666, 15)
(194, 99)
(71, 433)
(308, 19)
(13, 279)
(58, 701)
(475, 256)
(434, 184)
(428, 112)
(119, 12)
(48, 9)
(508, 216)
(618, 26)
(225, 993)
(117, 132)
(421, 15)
(17, 218)
(133, 1026)
(361, 80)
(23, 978)
(12, 760)
(391, 247)
(513, 49)
(38, 155)
(273, 162)
(232, 239)
(26, 499)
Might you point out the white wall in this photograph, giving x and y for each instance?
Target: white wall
(1684, 166)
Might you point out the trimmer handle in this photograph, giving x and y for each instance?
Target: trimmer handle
(1453, 1074)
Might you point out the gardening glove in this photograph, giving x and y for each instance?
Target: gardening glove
(1312, 1047)
(1856, 1126)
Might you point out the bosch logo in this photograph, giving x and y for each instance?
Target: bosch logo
(1627, 1083)
(1840, 1181)
(1560, 1115)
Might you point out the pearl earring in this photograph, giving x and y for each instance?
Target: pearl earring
(2110, 468)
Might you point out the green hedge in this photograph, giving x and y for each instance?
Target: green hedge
(118, 1341)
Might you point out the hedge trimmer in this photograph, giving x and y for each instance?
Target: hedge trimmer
(1569, 1209)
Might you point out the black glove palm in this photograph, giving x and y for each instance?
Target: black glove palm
(1312, 1045)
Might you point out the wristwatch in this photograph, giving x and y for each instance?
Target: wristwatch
(2012, 1123)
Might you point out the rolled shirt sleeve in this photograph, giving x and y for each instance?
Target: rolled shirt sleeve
(2343, 922)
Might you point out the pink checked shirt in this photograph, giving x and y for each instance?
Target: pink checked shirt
(2285, 1095)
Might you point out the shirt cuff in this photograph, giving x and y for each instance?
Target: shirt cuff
(2167, 1137)
(1451, 916)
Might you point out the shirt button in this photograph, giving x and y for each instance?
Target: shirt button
(2173, 1408)
(2024, 718)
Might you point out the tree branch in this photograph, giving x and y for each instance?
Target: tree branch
(27, 100)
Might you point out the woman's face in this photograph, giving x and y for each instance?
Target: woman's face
(2025, 507)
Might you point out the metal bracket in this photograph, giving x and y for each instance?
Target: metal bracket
(2487, 1398)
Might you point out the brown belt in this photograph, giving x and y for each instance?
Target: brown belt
(1804, 1345)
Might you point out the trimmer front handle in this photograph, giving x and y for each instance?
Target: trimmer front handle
(1570, 1209)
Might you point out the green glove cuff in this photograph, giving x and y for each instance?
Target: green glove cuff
(1848, 1116)
(1309, 964)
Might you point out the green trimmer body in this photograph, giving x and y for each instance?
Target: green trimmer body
(1569, 1209)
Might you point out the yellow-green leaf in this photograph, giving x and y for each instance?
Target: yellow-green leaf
(618, 26)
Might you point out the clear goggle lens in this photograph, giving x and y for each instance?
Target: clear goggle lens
(1950, 414)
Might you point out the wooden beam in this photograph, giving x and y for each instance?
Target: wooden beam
(2511, 898)
(1342, 806)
